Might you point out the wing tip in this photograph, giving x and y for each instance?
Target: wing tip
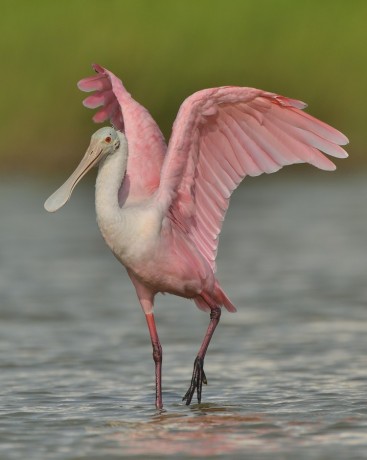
(98, 68)
(86, 84)
(288, 102)
(324, 164)
(343, 140)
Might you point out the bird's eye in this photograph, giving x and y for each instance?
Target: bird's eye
(108, 139)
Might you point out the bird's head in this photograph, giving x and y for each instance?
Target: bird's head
(104, 142)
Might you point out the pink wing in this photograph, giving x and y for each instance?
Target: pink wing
(222, 135)
(146, 144)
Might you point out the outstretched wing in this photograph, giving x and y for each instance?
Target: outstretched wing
(222, 135)
(145, 140)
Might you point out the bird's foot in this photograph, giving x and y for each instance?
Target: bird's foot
(198, 378)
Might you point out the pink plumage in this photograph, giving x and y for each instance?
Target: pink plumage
(160, 208)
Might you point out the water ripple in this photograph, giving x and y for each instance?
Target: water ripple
(286, 374)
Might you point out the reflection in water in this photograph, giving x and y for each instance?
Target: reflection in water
(212, 430)
(200, 435)
(286, 374)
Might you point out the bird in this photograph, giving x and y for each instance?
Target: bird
(160, 207)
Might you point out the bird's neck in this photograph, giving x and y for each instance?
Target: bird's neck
(109, 179)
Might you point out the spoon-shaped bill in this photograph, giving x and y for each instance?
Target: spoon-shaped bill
(63, 194)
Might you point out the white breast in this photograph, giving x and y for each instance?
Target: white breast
(133, 235)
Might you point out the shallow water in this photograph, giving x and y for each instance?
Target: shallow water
(287, 375)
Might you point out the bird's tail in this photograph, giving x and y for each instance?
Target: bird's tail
(218, 298)
(224, 300)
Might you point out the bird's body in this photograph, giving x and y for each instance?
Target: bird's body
(143, 239)
(160, 209)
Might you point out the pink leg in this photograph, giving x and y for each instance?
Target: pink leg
(157, 357)
(198, 374)
(146, 298)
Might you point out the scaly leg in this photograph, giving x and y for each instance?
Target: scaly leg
(157, 357)
(198, 374)
(146, 299)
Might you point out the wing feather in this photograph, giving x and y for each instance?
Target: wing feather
(220, 136)
(142, 133)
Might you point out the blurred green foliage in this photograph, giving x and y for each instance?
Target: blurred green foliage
(163, 50)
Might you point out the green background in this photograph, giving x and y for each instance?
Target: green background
(165, 50)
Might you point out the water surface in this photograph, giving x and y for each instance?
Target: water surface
(287, 375)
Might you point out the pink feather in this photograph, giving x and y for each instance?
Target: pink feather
(220, 136)
(161, 209)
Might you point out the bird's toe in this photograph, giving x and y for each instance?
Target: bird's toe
(197, 380)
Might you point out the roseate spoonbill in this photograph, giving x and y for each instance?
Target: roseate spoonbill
(160, 208)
